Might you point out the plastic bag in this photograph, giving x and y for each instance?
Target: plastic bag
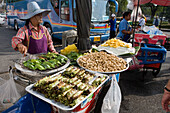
(8, 92)
(112, 100)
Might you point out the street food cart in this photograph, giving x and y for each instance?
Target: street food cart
(73, 75)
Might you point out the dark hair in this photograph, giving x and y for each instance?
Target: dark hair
(27, 22)
(126, 14)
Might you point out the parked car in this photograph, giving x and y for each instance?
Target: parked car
(2, 18)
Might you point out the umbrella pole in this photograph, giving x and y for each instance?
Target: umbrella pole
(135, 24)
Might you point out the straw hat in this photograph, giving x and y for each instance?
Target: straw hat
(33, 9)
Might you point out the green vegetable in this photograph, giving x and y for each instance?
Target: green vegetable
(46, 66)
(40, 67)
(94, 50)
(30, 66)
(50, 64)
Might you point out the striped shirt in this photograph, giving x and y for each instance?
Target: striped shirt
(22, 36)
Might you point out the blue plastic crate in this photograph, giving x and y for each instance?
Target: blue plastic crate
(152, 54)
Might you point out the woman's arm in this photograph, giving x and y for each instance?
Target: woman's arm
(18, 39)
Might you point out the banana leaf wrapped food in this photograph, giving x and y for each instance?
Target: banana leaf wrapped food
(66, 89)
(78, 100)
(98, 81)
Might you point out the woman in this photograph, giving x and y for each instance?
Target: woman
(33, 37)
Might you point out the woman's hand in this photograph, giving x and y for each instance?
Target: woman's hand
(54, 52)
(22, 49)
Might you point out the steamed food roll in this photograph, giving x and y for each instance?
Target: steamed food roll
(71, 93)
(77, 82)
(81, 72)
(76, 95)
(73, 80)
(64, 93)
(66, 80)
(78, 100)
(41, 82)
(67, 87)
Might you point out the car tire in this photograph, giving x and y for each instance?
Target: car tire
(15, 25)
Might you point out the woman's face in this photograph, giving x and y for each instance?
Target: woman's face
(37, 19)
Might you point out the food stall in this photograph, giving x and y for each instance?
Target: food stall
(69, 88)
(61, 87)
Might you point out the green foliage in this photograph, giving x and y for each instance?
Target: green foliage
(122, 7)
(151, 9)
(167, 13)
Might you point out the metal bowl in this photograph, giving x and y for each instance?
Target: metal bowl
(36, 73)
(114, 72)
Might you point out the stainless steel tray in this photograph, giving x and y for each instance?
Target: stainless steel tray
(24, 70)
(114, 72)
(58, 104)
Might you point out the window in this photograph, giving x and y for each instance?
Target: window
(65, 11)
(55, 4)
(74, 10)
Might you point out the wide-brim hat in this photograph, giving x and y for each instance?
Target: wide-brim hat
(33, 9)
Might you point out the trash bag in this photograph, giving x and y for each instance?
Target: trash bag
(112, 100)
(8, 92)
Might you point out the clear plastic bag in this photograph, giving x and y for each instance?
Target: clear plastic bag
(8, 92)
(112, 100)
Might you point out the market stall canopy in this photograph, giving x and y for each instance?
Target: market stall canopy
(83, 10)
(158, 2)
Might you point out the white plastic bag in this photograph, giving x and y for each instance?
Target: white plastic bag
(112, 100)
(8, 92)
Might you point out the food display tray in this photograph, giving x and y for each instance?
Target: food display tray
(24, 70)
(61, 106)
(114, 72)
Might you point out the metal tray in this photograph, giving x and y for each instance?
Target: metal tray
(24, 70)
(58, 104)
(114, 72)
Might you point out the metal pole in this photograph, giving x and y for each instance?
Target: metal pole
(135, 23)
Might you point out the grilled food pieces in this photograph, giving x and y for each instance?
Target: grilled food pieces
(69, 87)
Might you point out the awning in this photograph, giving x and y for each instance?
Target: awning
(158, 2)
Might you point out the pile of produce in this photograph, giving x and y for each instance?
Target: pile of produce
(102, 62)
(72, 53)
(46, 62)
(116, 43)
(69, 87)
(70, 48)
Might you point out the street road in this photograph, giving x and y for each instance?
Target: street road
(141, 94)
